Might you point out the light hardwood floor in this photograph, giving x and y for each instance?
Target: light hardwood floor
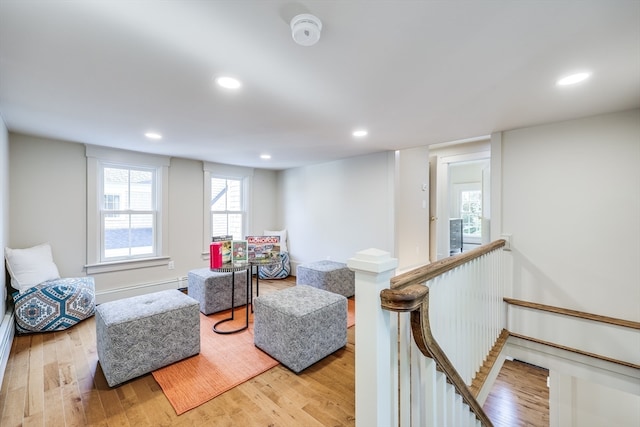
(54, 379)
(519, 397)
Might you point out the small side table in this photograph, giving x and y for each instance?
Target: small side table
(258, 262)
(232, 268)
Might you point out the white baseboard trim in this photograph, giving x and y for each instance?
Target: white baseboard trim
(294, 267)
(141, 289)
(7, 332)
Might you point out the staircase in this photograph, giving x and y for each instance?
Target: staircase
(430, 341)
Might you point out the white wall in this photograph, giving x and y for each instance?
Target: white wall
(48, 203)
(7, 329)
(571, 200)
(264, 202)
(412, 208)
(333, 210)
(587, 404)
(48, 199)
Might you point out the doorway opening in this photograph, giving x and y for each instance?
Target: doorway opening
(460, 197)
(466, 201)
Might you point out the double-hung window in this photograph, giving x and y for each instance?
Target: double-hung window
(126, 207)
(128, 213)
(227, 207)
(226, 192)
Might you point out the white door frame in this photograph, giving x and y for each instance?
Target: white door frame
(442, 199)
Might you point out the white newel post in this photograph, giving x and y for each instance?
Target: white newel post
(375, 401)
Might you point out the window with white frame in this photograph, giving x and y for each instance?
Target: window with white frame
(226, 193)
(467, 204)
(471, 212)
(128, 230)
(227, 207)
(127, 199)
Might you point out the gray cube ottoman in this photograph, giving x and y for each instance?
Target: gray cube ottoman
(140, 334)
(328, 275)
(212, 290)
(299, 326)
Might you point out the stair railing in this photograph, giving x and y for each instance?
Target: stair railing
(456, 315)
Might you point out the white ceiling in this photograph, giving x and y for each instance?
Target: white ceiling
(412, 72)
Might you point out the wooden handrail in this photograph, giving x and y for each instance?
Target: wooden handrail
(435, 269)
(407, 293)
(580, 315)
(574, 313)
(575, 350)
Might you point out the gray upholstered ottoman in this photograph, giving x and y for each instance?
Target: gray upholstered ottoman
(140, 334)
(328, 275)
(300, 325)
(213, 290)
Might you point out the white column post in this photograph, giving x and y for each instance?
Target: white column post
(375, 402)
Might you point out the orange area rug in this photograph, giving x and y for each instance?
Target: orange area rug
(224, 362)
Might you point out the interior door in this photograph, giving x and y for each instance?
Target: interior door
(442, 209)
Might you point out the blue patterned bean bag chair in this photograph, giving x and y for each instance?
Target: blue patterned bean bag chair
(54, 305)
(277, 271)
(43, 301)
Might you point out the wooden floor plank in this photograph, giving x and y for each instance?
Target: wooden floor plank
(74, 413)
(35, 420)
(134, 410)
(13, 411)
(237, 407)
(35, 389)
(34, 405)
(157, 408)
(53, 415)
(284, 412)
(93, 411)
(19, 377)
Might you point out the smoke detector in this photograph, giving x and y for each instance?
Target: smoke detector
(305, 29)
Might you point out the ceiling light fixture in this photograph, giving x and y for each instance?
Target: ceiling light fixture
(360, 133)
(265, 156)
(305, 29)
(228, 82)
(153, 135)
(573, 79)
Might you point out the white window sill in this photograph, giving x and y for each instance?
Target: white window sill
(129, 264)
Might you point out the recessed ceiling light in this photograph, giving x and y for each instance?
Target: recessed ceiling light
(573, 79)
(265, 156)
(228, 82)
(360, 133)
(153, 135)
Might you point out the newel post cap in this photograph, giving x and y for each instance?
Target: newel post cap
(372, 260)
